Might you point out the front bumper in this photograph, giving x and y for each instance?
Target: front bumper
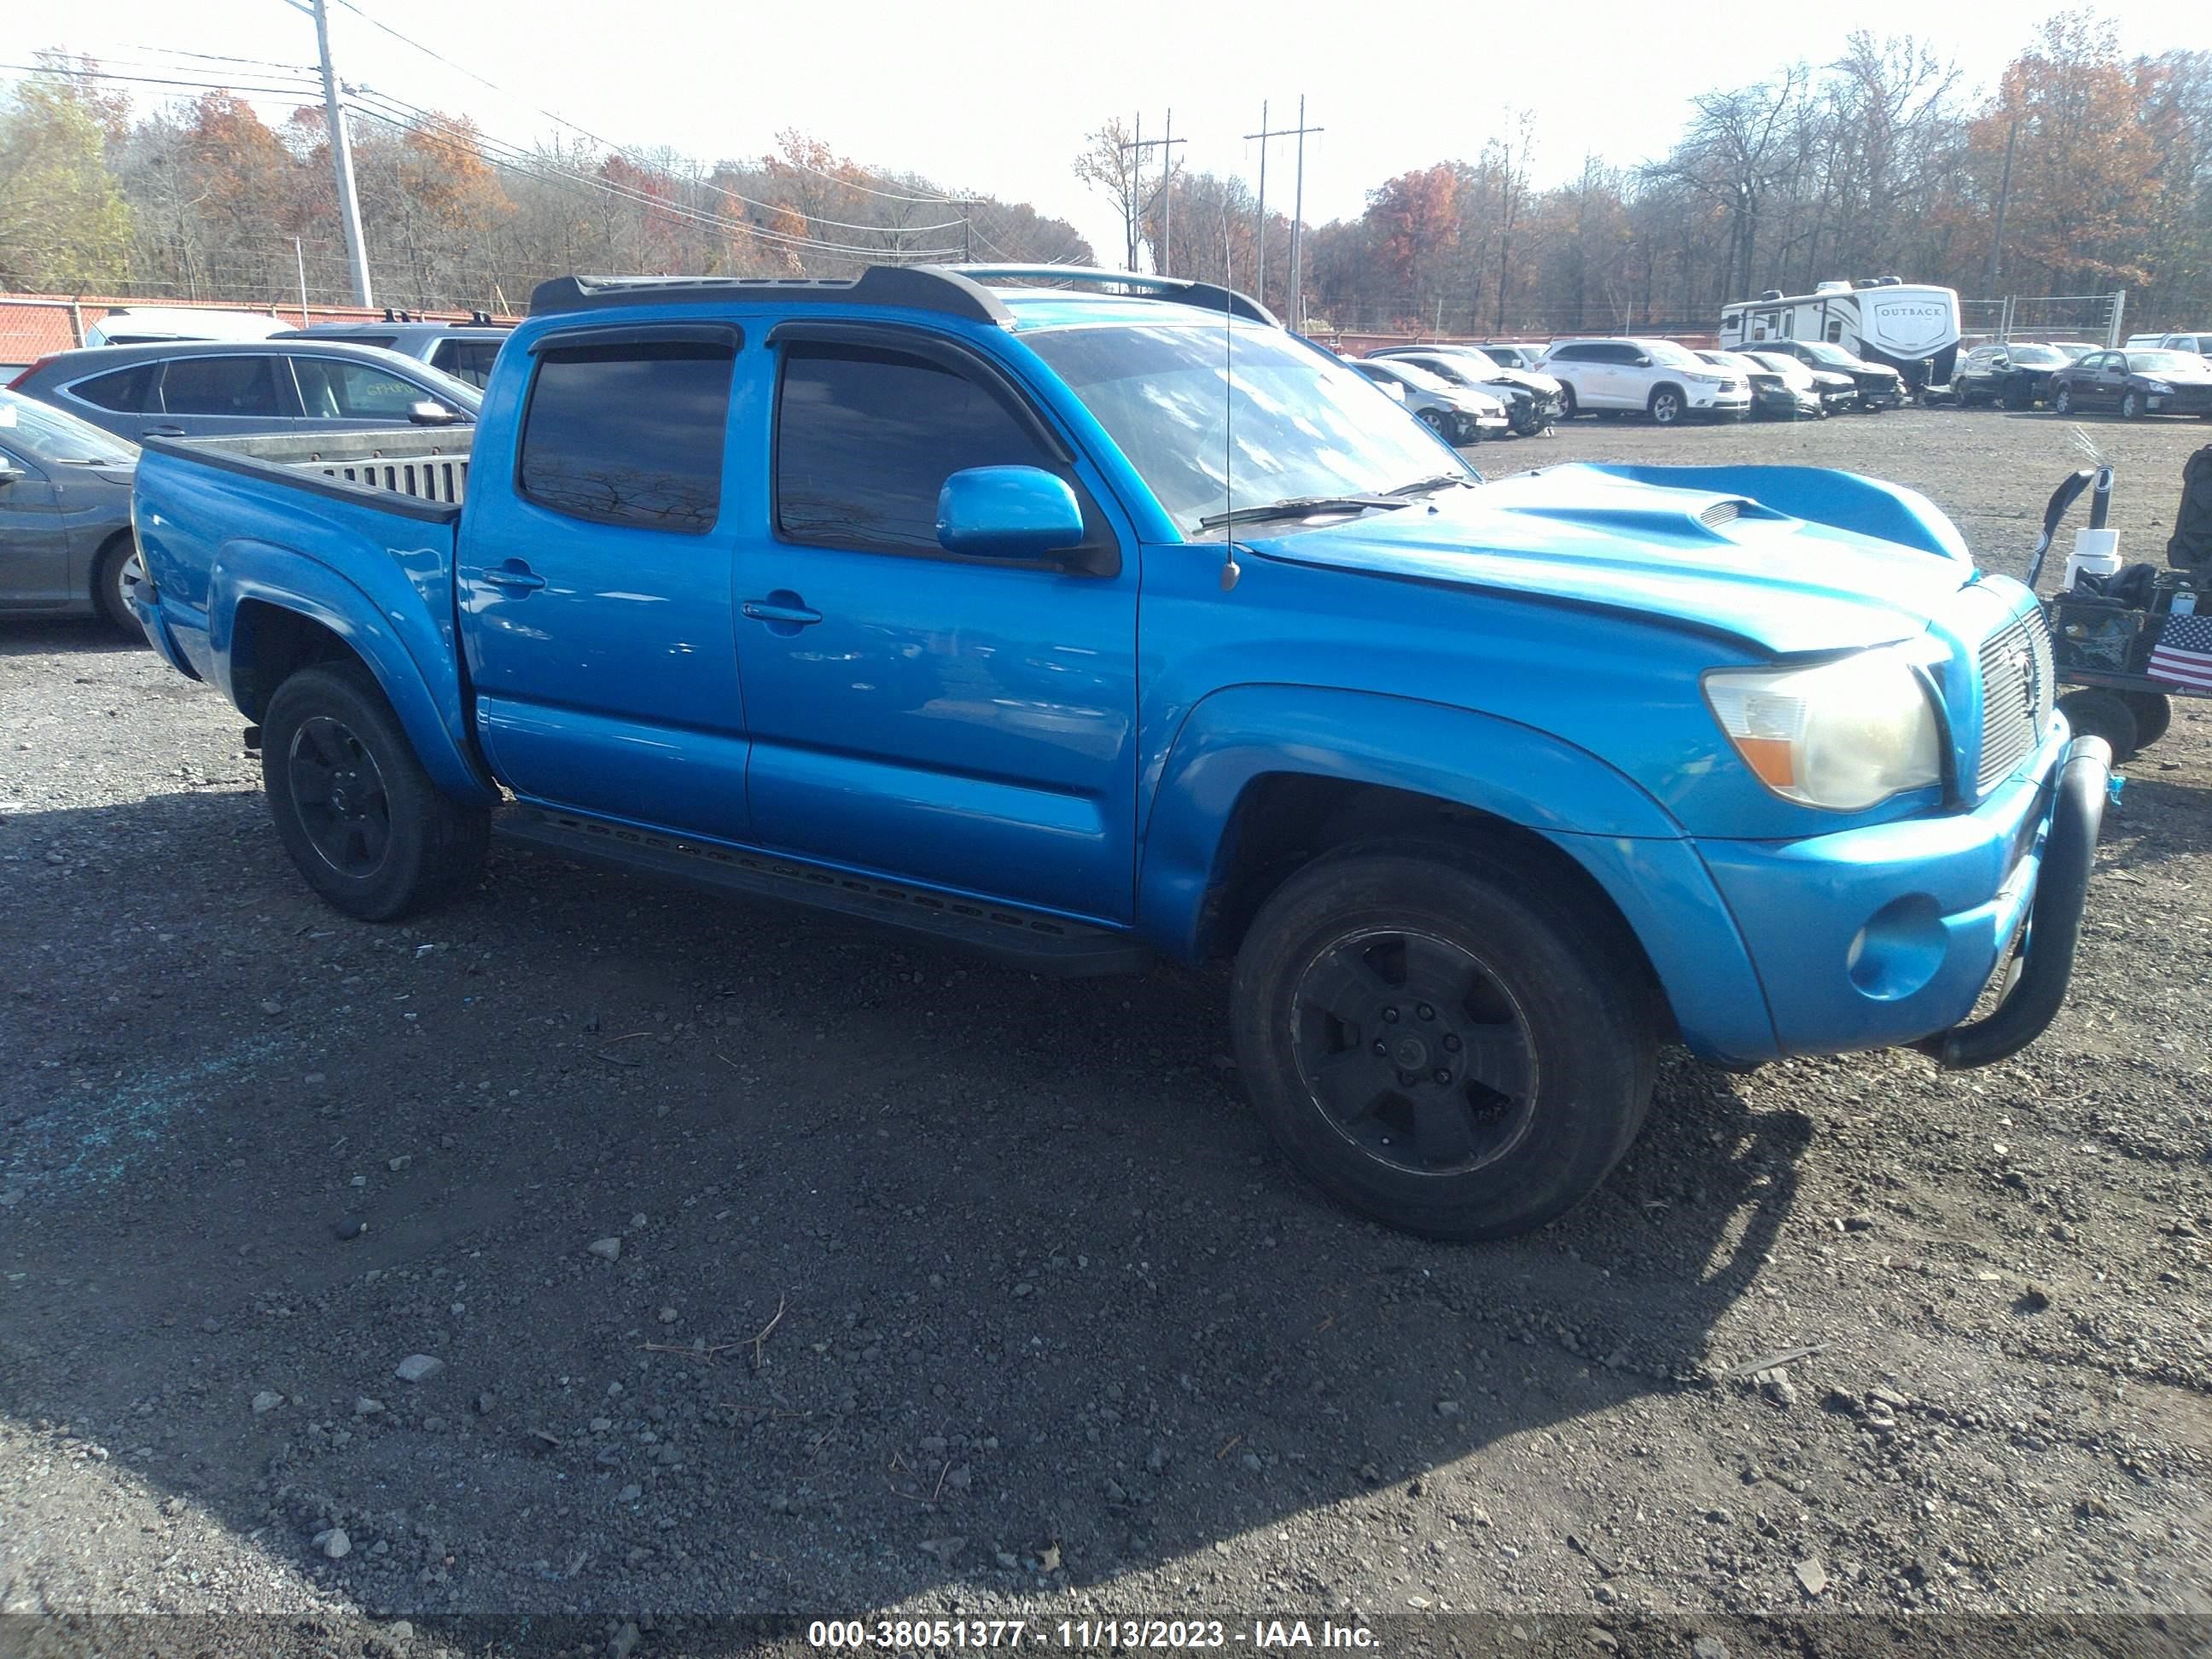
(1881, 394)
(1784, 405)
(1871, 937)
(2186, 400)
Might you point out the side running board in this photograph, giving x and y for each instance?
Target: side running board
(1043, 943)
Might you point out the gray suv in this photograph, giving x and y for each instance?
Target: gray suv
(464, 350)
(209, 388)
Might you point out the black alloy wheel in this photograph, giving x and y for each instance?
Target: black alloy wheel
(1415, 1052)
(339, 795)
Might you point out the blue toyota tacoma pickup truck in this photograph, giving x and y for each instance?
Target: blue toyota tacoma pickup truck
(1083, 621)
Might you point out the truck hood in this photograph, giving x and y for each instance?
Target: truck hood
(1698, 556)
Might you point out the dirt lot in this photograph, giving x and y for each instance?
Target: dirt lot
(942, 1287)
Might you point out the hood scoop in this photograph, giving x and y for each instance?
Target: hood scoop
(1660, 518)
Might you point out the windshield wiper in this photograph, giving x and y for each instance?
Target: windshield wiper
(1297, 506)
(1440, 481)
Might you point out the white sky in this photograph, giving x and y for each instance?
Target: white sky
(996, 98)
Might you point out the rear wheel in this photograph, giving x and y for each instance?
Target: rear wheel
(353, 805)
(2094, 712)
(1665, 407)
(2153, 713)
(117, 576)
(1438, 1039)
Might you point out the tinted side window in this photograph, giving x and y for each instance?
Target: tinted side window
(630, 434)
(220, 385)
(130, 390)
(1620, 353)
(1574, 354)
(866, 438)
(466, 360)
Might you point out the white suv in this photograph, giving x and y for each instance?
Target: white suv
(1665, 381)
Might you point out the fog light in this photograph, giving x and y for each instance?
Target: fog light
(1899, 949)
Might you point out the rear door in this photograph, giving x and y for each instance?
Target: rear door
(212, 396)
(34, 538)
(595, 597)
(466, 360)
(966, 723)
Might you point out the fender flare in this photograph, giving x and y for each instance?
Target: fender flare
(1618, 832)
(286, 579)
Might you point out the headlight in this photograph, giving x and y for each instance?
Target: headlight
(1706, 379)
(2158, 388)
(1844, 735)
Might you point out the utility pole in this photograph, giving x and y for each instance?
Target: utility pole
(340, 156)
(1133, 215)
(1264, 135)
(2004, 192)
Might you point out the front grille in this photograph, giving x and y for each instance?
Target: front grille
(2016, 694)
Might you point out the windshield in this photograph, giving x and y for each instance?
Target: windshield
(2035, 356)
(2165, 362)
(1467, 364)
(49, 434)
(1666, 352)
(1821, 352)
(1412, 374)
(1301, 423)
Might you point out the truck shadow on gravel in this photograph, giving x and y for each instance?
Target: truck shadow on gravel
(768, 1263)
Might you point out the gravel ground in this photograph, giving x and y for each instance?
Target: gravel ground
(745, 1261)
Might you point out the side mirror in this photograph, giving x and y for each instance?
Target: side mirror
(427, 413)
(1007, 513)
(1643, 361)
(1394, 388)
(8, 473)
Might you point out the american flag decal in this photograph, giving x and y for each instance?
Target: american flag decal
(2183, 655)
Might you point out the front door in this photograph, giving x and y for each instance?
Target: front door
(34, 538)
(595, 588)
(338, 394)
(961, 722)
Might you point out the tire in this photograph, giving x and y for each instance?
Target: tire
(1544, 1008)
(2131, 405)
(2094, 712)
(116, 575)
(1666, 405)
(353, 805)
(2061, 401)
(1568, 408)
(1434, 420)
(2153, 713)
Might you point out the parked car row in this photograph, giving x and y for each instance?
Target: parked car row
(1452, 386)
(2132, 382)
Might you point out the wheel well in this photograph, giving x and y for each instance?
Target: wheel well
(270, 644)
(1666, 385)
(1285, 820)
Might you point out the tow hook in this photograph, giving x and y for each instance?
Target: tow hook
(252, 739)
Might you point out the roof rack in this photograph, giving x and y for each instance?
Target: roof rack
(920, 288)
(954, 290)
(1180, 289)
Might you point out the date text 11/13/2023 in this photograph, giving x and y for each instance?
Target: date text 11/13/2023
(905, 1635)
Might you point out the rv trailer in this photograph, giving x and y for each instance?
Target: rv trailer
(1911, 327)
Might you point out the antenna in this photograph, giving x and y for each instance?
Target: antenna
(1230, 572)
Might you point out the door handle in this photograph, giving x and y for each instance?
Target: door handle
(162, 431)
(515, 576)
(781, 607)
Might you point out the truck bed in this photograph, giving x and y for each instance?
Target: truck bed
(247, 540)
(427, 469)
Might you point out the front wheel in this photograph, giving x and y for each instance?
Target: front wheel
(2153, 713)
(1568, 409)
(2132, 406)
(353, 805)
(1666, 406)
(1440, 1041)
(2061, 401)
